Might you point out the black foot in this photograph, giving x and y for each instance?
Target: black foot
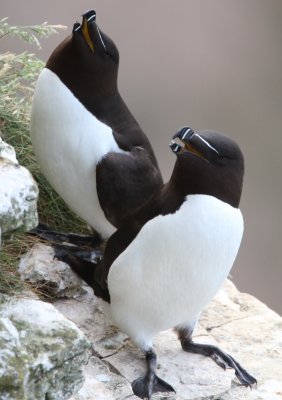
(144, 388)
(90, 255)
(48, 234)
(85, 269)
(151, 383)
(222, 359)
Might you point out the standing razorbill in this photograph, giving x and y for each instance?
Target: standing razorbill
(169, 258)
(87, 143)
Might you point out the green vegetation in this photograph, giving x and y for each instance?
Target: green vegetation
(18, 75)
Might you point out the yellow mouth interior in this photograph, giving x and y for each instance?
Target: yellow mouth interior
(85, 32)
(191, 149)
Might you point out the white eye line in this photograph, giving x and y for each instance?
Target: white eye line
(101, 38)
(90, 18)
(207, 143)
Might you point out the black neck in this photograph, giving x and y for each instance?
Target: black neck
(114, 112)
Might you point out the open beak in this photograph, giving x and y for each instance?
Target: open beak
(184, 135)
(87, 18)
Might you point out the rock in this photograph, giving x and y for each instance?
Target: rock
(52, 276)
(41, 352)
(237, 322)
(192, 376)
(102, 384)
(234, 321)
(249, 330)
(7, 151)
(18, 193)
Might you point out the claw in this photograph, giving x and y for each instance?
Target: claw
(218, 361)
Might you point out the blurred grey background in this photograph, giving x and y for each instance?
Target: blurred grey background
(207, 64)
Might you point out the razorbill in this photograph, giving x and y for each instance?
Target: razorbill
(87, 143)
(169, 258)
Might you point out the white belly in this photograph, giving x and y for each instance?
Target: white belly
(174, 267)
(68, 142)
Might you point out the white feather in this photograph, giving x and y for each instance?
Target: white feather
(174, 267)
(68, 142)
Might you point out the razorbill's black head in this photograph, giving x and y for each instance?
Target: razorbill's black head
(208, 163)
(87, 62)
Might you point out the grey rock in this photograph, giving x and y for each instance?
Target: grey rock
(7, 151)
(237, 322)
(87, 313)
(102, 380)
(249, 330)
(52, 276)
(102, 384)
(41, 352)
(18, 193)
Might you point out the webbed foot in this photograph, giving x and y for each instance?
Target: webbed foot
(44, 232)
(63, 250)
(151, 383)
(222, 359)
(144, 388)
(85, 269)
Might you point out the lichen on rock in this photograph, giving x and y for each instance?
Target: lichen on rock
(18, 193)
(41, 351)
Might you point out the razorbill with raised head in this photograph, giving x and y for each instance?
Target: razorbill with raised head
(87, 143)
(169, 258)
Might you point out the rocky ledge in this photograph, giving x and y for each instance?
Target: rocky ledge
(237, 322)
(40, 351)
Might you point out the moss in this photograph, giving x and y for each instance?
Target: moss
(14, 373)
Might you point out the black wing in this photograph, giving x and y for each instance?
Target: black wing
(125, 181)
